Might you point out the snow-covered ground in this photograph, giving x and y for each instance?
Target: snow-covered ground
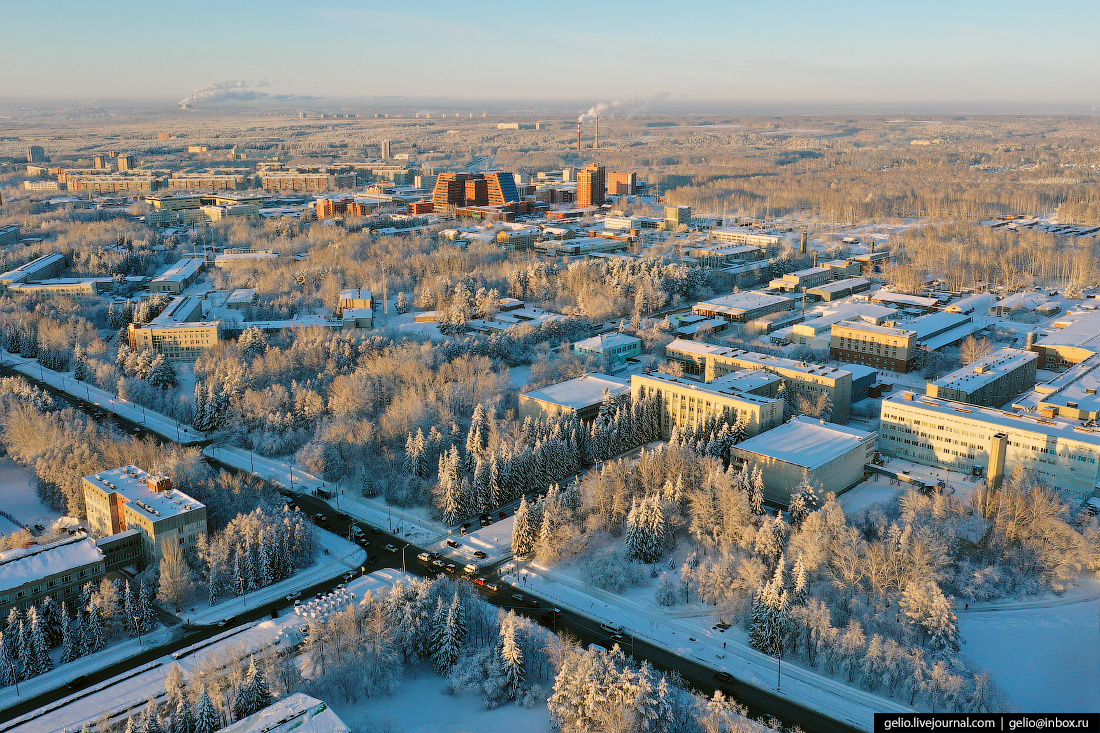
(342, 557)
(1044, 652)
(495, 541)
(420, 705)
(129, 690)
(694, 637)
(19, 498)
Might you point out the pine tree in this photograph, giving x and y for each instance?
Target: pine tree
(52, 622)
(147, 615)
(71, 638)
(7, 660)
(183, 721)
(511, 656)
(770, 625)
(253, 694)
(756, 491)
(206, 718)
(151, 721)
(39, 648)
(93, 637)
(523, 534)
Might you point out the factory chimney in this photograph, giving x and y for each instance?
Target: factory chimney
(802, 242)
(597, 145)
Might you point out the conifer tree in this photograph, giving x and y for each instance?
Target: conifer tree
(206, 717)
(183, 721)
(511, 656)
(523, 535)
(7, 660)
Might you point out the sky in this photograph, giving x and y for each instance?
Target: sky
(962, 53)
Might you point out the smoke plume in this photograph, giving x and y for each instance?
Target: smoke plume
(225, 90)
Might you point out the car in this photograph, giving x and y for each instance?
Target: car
(452, 543)
(298, 603)
(479, 581)
(79, 682)
(392, 548)
(492, 586)
(437, 563)
(470, 569)
(348, 576)
(519, 597)
(723, 677)
(372, 559)
(502, 514)
(486, 517)
(466, 526)
(362, 541)
(534, 603)
(485, 522)
(424, 557)
(617, 639)
(223, 622)
(451, 567)
(293, 595)
(480, 555)
(40, 527)
(464, 531)
(374, 530)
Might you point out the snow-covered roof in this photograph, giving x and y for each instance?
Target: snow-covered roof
(838, 285)
(607, 341)
(872, 328)
(241, 295)
(133, 484)
(356, 294)
(185, 268)
(807, 442)
(887, 296)
(21, 273)
(26, 565)
(298, 712)
(934, 324)
(1081, 330)
(985, 370)
(584, 391)
(745, 301)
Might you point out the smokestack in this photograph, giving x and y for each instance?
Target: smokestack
(597, 145)
(815, 259)
(578, 136)
(802, 242)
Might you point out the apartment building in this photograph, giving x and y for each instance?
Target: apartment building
(881, 347)
(175, 332)
(802, 379)
(229, 180)
(58, 569)
(131, 498)
(685, 403)
(591, 186)
(294, 180)
(736, 235)
(984, 441)
(991, 381)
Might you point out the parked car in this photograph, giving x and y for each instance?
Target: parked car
(452, 543)
(519, 597)
(424, 557)
(372, 559)
(438, 563)
(502, 514)
(293, 595)
(470, 569)
(480, 555)
(391, 548)
(451, 567)
(723, 677)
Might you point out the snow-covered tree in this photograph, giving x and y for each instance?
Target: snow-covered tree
(511, 656)
(523, 533)
(207, 719)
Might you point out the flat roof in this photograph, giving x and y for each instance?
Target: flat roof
(985, 370)
(356, 294)
(177, 310)
(806, 442)
(1080, 384)
(762, 361)
(719, 387)
(892, 297)
(25, 565)
(608, 341)
(838, 285)
(32, 267)
(298, 712)
(182, 270)
(583, 391)
(934, 324)
(131, 483)
(1083, 331)
(865, 326)
(993, 417)
(746, 301)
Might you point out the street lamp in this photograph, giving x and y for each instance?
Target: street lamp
(137, 627)
(14, 676)
(403, 557)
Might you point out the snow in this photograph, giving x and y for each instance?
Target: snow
(694, 637)
(494, 540)
(584, 391)
(1044, 653)
(421, 706)
(21, 566)
(807, 442)
(343, 556)
(875, 490)
(298, 712)
(17, 487)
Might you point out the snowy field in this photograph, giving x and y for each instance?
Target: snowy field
(1045, 653)
(420, 705)
(495, 541)
(18, 498)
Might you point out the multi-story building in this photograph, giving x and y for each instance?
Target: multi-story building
(234, 179)
(623, 184)
(1073, 394)
(1075, 338)
(178, 277)
(677, 215)
(57, 569)
(808, 381)
(591, 186)
(726, 254)
(743, 307)
(450, 192)
(468, 190)
(838, 289)
(616, 347)
(175, 333)
(882, 347)
(36, 154)
(293, 180)
(833, 458)
(985, 441)
(131, 498)
(811, 277)
(386, 150)
(127, 162)
(44, 267)
(355, 298)
(991, 381)
(328, 208)
(502, 188)
(684, 403)
(582, 396)
(745, 236)
(112, 183)
(10, 233)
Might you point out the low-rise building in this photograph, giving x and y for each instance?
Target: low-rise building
(1075, 338)
(830, 456)
(800, 280)
(991, 381)
(984, 441)
(178, 277)
(735, 235)
(9, 234)
(355, 298)
(838, 289)
(58, 569)
(743, 307)
(1072, 394)
(615, 347)
(724, 255)
(683, 403)
(131, 498)
(297, 713)
(582, 396)
(904, 300)
(42, 268)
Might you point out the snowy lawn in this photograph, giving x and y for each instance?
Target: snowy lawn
(421, 706)
(19, 498)
(876, 489)
(1044, 653)
(495, 541)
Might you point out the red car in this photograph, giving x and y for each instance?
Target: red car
(479, 581)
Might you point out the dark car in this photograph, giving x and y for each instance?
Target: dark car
(372, 559)
(502, 514)
(723, 676)
(452, 543)
(392, 548)
(480, 555)
(79, 682)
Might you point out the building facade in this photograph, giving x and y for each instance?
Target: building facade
(686, 404)
(881, 347)
(582, 396)
(591, 186)
(991, 381)
(58, 569)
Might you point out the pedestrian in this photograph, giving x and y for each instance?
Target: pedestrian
(723, 645)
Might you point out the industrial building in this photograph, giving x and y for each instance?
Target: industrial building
(131, 498)
(681, 402)
(743, 307)
(983, 441)
(582, 396)
(58, 569)
(991, 381)
(832, 457)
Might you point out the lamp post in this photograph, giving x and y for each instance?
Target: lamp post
(137, 627)
(403, 557)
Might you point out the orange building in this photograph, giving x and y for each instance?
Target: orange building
(591, 186)
(622, 184)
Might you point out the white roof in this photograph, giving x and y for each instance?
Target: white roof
(872, 328)
(890, 297)
(182, 270)
(356, 294)
(130, 482)
(838, 285)
(985, 370)
(31, 267)
(21, 566)
(806, 442)
(746, 301)
(298, 712)
(241, 295)
(762, 361)
(1083, 331)
(607, 341)
(584, 391)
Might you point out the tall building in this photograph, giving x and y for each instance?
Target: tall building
(477, 191)
(127, 162)
(591, 186)
(36, 154)
(502, 188)
(386, 150)
(450, 192)
(130, 498)
(622, 184)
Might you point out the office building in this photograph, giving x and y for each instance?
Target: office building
(881, 347)
(984, 441)
(1075, 338)
(677, 215)
(991, 381)
(501, 188)
(582, 396)
(10, 234)
(175, 333)
(42, 268)
(838, 289)
(131, 498)
(36, 154)
(615, 347)
(386, 150)
(737, 235)
(743, 307)
(178, 277)
(591, 186)
(57, 569)
(803, 380)
(684, 403)
(832, 457)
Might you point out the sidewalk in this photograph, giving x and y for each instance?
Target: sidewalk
(399, 522)
(700, 642)
(160, 424)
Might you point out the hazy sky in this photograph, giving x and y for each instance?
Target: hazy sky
(964, 52)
